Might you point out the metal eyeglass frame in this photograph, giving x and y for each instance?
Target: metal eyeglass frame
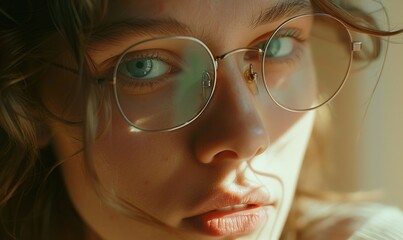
(249, 74)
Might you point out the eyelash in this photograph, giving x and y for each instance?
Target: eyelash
(152, 83)
(295, 56)
(147, 56)
(106, 70)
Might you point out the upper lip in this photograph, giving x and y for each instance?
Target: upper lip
(221, 198)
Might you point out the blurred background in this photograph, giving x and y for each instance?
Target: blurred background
(367, 135)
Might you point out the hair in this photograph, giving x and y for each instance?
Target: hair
(33, 200)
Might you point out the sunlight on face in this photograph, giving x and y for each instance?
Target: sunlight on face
(232, 172)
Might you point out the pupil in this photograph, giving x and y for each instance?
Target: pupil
(139, 68)
(140, 65)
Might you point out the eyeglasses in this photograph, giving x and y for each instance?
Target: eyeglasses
(165, 83)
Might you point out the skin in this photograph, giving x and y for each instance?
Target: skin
(170, 175)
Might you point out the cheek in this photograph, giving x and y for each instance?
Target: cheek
(284, 156)
(138, 165)
(133, 165)
(279, 167)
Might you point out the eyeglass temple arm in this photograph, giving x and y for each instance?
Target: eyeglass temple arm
(75, 71)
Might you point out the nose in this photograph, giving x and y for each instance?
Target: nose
(232, 127)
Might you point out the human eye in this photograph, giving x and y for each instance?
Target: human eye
(145, 71)
(284, 47)
(284, 54)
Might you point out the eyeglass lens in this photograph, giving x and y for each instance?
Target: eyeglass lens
(165, 83)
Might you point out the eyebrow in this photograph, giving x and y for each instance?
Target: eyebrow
(139, 27)
(115, 31)
(281, 10)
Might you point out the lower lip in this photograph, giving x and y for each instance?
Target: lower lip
(231, 223)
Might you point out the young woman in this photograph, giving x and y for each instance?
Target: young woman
(165, 119)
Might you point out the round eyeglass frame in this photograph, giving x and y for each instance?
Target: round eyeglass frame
(355, 46)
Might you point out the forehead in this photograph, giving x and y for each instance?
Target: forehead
(215, 22)
(196, 12)
(160, 8)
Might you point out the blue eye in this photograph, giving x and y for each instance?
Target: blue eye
(145, 68)
(146, 71)
(280, 47)
(139, 68)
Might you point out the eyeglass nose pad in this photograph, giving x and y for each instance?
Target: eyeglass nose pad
(207, 85)
(251, 78)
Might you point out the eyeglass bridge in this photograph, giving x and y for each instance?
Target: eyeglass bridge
(249, 74)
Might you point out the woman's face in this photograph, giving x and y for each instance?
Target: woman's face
(231, 173)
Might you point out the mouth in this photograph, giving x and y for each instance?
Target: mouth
(232, 220)
(232, 214)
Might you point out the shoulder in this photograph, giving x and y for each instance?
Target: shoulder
(349, 220)
(387, 223)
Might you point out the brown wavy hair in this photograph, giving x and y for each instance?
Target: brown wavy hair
(33, 200)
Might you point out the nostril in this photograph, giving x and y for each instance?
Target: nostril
(227, 154)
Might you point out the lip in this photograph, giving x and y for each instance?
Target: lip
(211, 219)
